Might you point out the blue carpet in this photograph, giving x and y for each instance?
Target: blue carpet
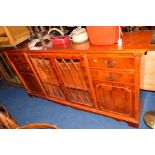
(27, 109)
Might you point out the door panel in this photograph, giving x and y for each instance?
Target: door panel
(31, 82)
(73, 78)
(116, 98)
(48, 77)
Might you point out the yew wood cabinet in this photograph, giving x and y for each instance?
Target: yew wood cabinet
(100, 79)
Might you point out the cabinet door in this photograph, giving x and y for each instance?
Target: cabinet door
(72, 73)
(63, 78)
(114, 97)
(47, 74)
(31, 82)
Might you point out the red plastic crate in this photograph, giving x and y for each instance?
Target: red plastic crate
(59, 39)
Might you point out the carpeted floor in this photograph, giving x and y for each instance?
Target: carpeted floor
(27, 109)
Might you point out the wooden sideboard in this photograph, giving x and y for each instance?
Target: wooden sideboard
(99, 79)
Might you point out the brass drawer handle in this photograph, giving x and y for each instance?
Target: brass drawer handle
(105, 62)
(94, 60)
(113, 63)
(110, 64)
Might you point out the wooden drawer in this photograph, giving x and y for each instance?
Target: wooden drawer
(18, 58)
(107, 62)
(112, 76)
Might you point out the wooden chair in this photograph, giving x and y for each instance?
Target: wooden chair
(8, 122)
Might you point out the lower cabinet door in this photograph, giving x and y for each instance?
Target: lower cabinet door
(63, 78)
(48, 76)
(72, 73)
(31, 82)
(118, 98)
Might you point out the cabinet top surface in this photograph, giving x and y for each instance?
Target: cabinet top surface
(133, 42)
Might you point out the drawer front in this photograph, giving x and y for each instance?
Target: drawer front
(120, 63)
(18, 58)
(112, 76)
